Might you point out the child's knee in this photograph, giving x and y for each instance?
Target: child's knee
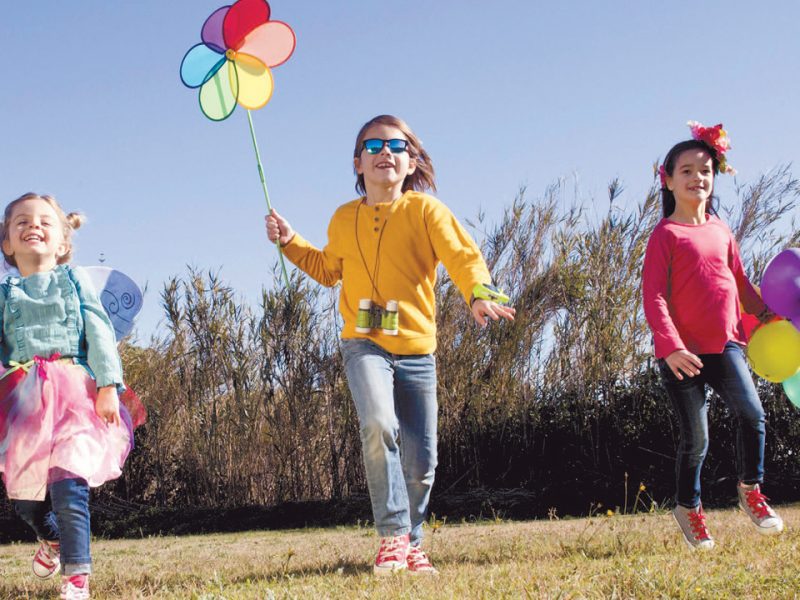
(695, 447)
(378, 433)
(69, 495)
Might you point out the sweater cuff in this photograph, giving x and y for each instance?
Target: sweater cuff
(296, 247)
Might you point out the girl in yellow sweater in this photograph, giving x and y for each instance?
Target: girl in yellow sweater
(385, 247)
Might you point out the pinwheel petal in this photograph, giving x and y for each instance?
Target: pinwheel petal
(199, 65)
(255, 81)
(242, 18)
(272, 43)
(211, 33)
(218, 95)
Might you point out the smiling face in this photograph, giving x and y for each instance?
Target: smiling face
(385, 171)
(692, 179)
(34, 237)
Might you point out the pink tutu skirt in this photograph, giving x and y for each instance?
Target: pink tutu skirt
(49, 429)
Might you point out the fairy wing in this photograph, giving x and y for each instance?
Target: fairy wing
(120, 296)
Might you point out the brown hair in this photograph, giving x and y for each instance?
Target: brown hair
(423, 177)
(69, 223)
(667, 197)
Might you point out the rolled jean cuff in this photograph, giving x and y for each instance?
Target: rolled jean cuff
(393, 532)
(77, 569)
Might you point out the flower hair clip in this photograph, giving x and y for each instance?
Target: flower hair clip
(717, 139)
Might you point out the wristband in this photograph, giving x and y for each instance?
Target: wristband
(486, 291)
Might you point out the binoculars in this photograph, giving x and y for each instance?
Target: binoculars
(374, 316)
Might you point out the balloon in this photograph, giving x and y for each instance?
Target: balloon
(791, 388)
(774, 351)
(796, 321)
(780, 286)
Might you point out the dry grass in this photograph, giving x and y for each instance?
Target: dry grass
(639, 556)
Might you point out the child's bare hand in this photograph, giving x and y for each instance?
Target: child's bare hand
(481, 309)
(107, 405)
(278, 228)
(683, 361)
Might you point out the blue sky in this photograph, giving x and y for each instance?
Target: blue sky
(502, 94)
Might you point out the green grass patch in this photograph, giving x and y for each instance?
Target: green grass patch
(634, 556)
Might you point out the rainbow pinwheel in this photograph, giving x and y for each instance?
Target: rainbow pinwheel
(232, 64)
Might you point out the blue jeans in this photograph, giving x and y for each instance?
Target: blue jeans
(395, 397)
(67, 522)
(729, 376)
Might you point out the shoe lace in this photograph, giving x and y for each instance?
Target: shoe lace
(418, 558)
(47, 553)
(697, 520)
(391, 547)
(758, 503)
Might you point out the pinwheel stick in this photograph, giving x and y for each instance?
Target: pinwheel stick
(266, 193)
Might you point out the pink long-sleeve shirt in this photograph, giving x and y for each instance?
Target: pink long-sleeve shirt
(693, 281)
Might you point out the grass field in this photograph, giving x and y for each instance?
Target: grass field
(638, 556)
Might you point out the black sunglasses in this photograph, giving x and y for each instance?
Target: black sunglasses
(375, 145)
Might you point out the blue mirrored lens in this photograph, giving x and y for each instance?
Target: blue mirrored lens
(373, 146)
(397, 146)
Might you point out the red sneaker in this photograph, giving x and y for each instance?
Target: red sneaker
(75, 587)
(392, 555)
(418, 562)
(46, 562)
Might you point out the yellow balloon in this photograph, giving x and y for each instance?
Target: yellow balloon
(774, 351)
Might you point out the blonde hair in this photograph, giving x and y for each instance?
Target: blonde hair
(69, 223)
(423, 177)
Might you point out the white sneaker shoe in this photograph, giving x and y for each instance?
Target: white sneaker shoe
(392, 555)
(419, 563)
(692, 522)
(75, 587)
(754, 504)
(46, 560)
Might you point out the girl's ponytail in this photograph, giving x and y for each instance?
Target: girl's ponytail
(75, 220)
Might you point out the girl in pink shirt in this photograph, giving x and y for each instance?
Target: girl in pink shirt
(693, 283)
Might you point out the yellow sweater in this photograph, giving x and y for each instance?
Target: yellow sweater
(415, 232)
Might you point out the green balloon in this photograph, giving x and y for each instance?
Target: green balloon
(791, 388)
